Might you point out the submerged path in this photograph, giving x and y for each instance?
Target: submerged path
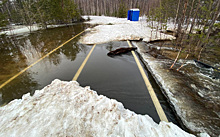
(115, 77)
(154, 98)
(106, 75)
(25, 69)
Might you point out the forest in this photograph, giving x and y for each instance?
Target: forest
(46, 12)
(196, 21)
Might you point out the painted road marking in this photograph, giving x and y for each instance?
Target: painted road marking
(154, 98)
(83, 64)
(18, 74)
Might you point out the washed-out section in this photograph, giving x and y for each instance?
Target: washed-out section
(192, 91)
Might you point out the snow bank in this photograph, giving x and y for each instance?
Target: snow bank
(66, 109)
(104, 20)
(114, 29)
(19, 29)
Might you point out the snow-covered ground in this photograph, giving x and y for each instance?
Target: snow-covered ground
(113, 29)
(67, 109)
(20, 29)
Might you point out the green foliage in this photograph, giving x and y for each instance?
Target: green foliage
(217, 25)
(15, 17)
(122, 12)
(3, 19)
(43, 12)
(70, 11)
(28, 11)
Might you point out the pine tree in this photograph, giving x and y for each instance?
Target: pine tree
(3, 19)
(122, 12)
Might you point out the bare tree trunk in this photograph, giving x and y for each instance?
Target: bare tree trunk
(177, 12)
(181, 22)
(183, 63)
(176, 59)
(194, 17)
(214, 18)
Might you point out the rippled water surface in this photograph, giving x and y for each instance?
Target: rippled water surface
(194, 90)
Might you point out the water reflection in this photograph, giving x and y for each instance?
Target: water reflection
(18, 52)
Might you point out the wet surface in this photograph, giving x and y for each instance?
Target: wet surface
(115, 77)
(118, 77)
(193, 91)
(20, 51)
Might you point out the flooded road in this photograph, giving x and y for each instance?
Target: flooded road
(18, 52)
(117, 78)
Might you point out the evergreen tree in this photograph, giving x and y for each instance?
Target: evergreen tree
(122, 12)
(3, 19)
(70, 11)
(28, 13)
(43, 13)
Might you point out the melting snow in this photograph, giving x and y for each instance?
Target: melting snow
(67, 109)
(20, 29)
(114, 29)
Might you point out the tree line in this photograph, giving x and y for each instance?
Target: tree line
(45, 12)
(42, 12)
(194, 20)
(117, 8)
(196, 23)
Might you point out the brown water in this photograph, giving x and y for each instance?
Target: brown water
(194, 91)
(19, 51)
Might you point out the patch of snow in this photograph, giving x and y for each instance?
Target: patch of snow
(20, 29)
(114, 29)
(135, 9)
(105, 20)
(67, 109)
(204, 135)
